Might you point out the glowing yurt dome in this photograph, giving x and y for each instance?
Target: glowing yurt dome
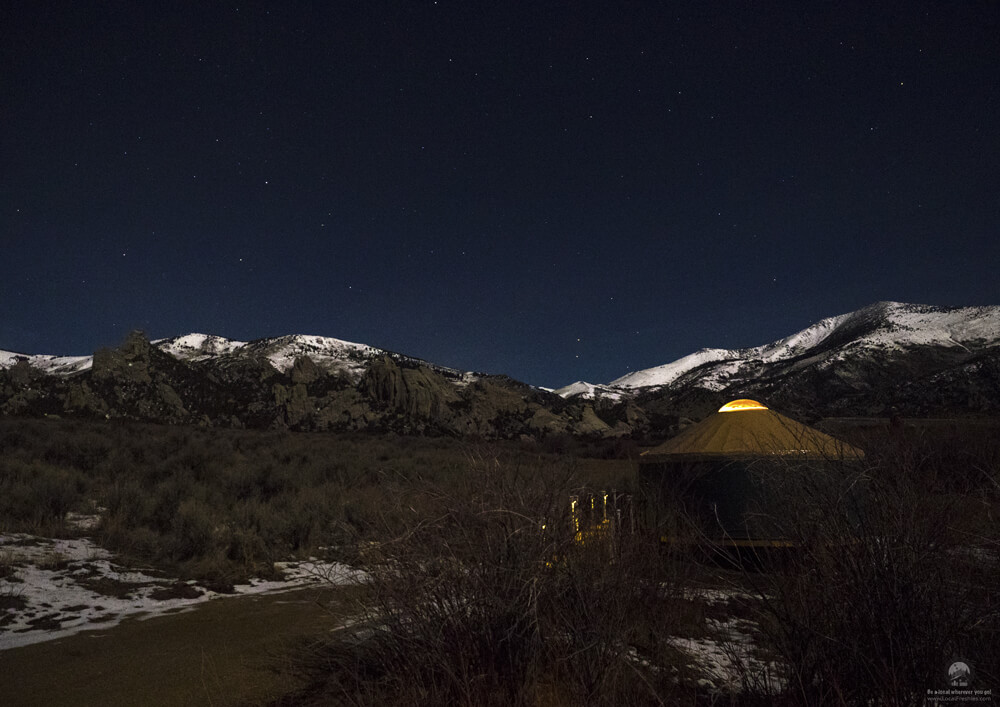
(741, 405)
(735, 471)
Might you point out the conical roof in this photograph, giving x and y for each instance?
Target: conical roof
(745, 428)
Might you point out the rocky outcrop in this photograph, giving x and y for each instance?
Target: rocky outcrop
(304, 371)
(415, 392)
(17, 396)
(590, 425)
(132, 381)
(128, 364)
(21, 375)
(544, 422)
(81, 399)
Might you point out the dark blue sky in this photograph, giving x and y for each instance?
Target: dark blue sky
(556, 191)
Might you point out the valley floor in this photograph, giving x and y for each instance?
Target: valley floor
(78, 628)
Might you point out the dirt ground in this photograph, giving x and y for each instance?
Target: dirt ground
(225, 652)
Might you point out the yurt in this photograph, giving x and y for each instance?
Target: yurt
(736, 472)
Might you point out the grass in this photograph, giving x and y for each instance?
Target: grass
(222, 505)
(7, 564)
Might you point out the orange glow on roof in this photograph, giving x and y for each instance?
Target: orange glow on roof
(741, 405)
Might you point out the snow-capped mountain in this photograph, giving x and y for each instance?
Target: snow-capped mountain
(590, 390)
(53, 365)
(884, 326)
(329, 354)
(332, 355)
(884, 344)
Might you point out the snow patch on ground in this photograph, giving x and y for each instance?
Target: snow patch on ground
(726, 658)
(51, 588)
(84, 521)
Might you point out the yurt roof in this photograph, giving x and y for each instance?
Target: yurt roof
(745, 428)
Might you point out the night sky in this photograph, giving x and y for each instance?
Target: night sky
(555, 191)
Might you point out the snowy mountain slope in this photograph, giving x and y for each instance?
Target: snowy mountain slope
(669, 372)
(868, 337)
(589, 390)
(331, 355)
(53, 365)
(198, 347)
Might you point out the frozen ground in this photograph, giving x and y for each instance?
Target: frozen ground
(725, 657)
(50, 588)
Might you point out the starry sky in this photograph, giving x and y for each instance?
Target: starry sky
(551, 190)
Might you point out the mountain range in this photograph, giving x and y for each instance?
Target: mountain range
(887, 358)
(295, 382)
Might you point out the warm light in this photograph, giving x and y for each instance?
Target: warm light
(741, 405)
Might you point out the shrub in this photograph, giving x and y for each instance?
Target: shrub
(37, 495)
(869, 608)
(489, 599)
(193, 530)
(126, 503)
